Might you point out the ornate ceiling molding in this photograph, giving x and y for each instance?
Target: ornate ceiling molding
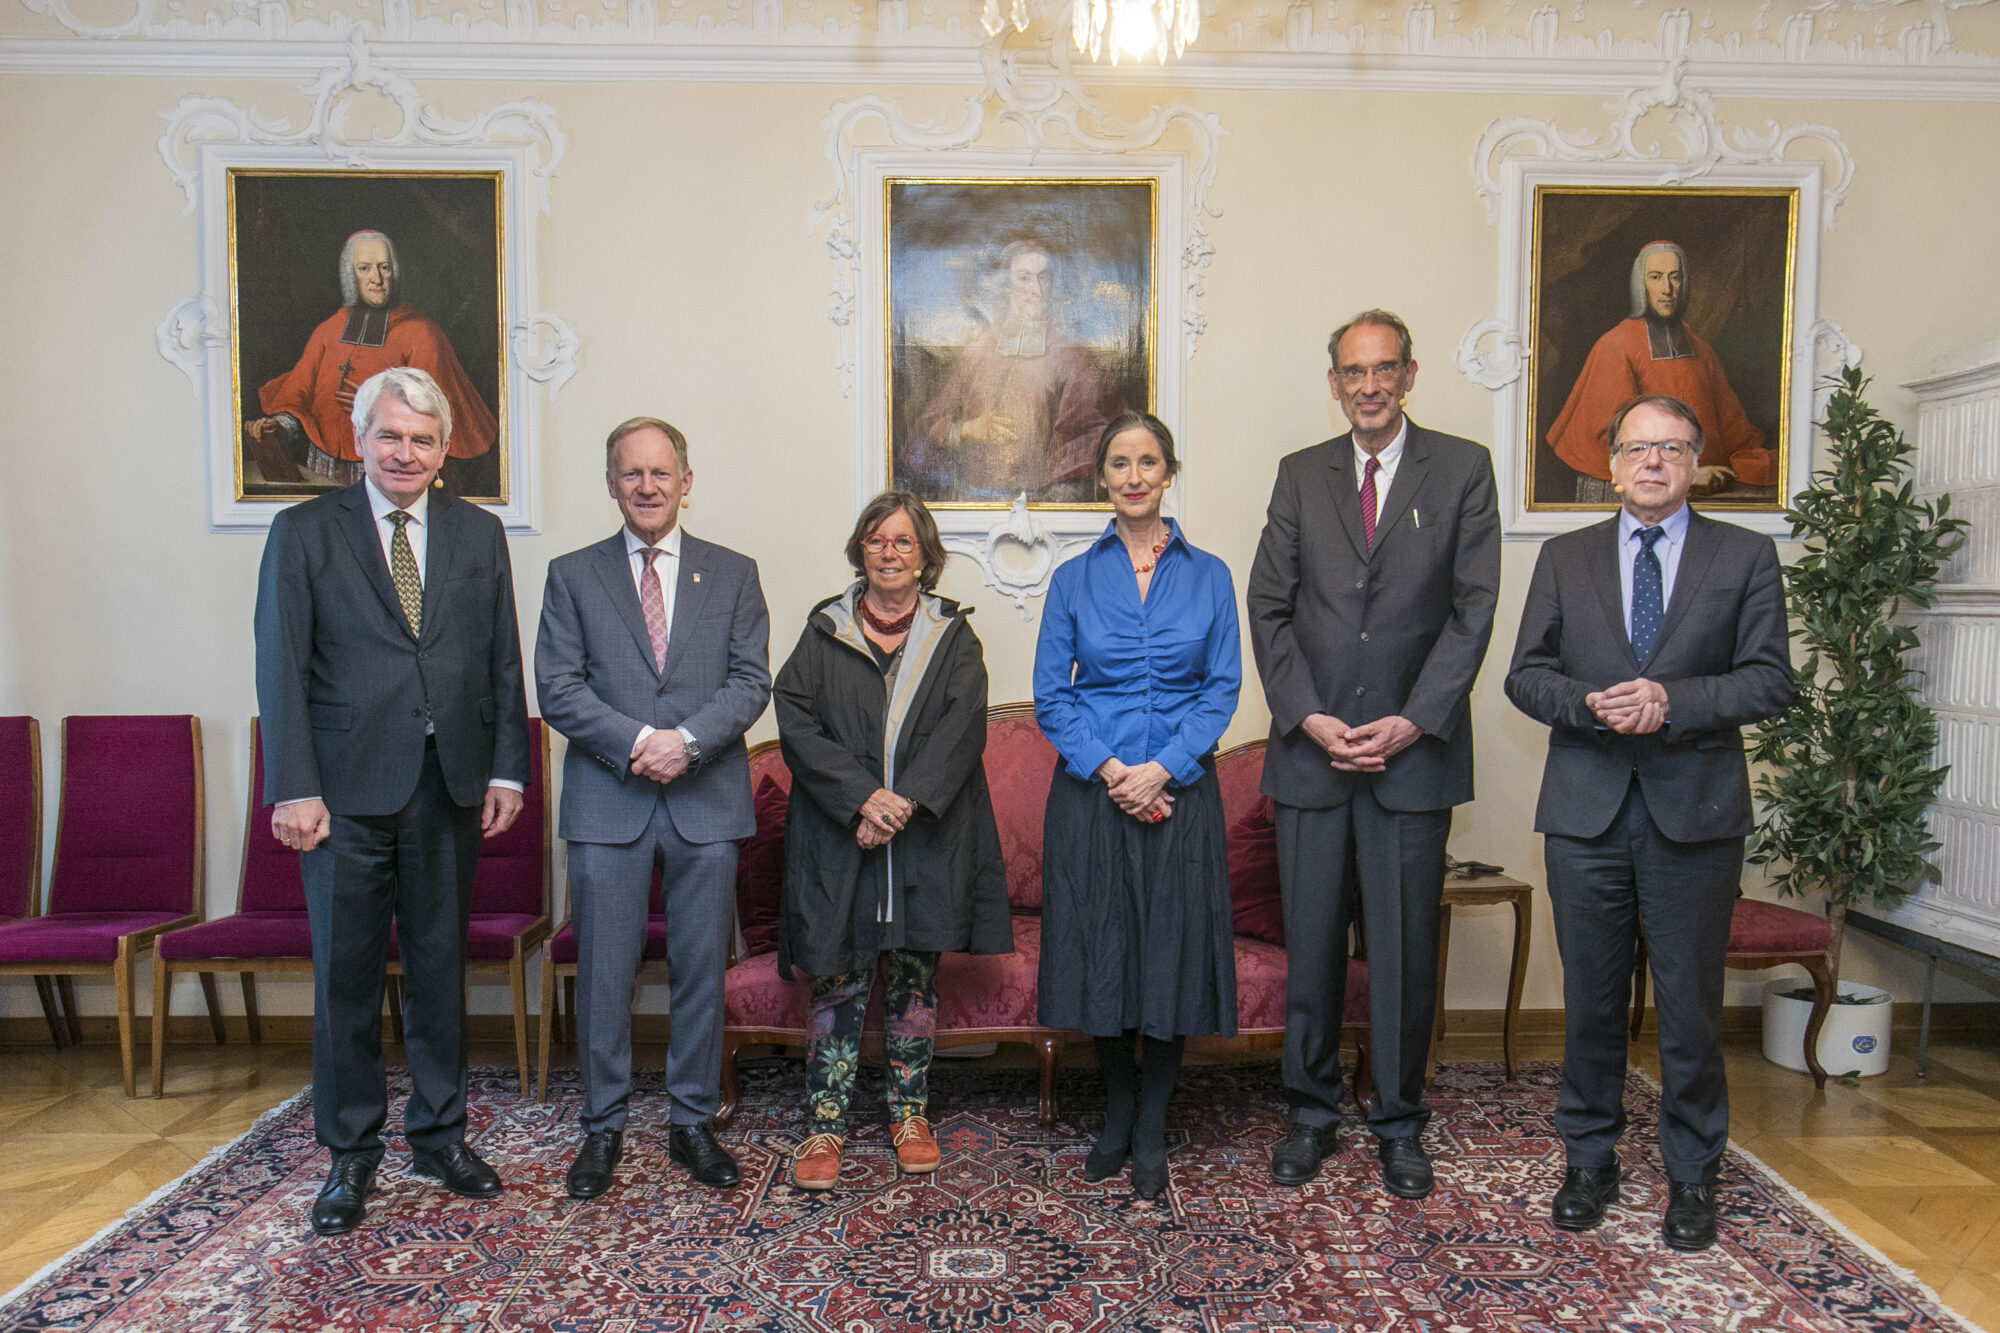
(206, 136)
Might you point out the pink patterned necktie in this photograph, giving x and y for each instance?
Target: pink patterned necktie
(653, 607)
(1368, 502)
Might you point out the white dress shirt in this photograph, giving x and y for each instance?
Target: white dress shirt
(1386, 461)
(1668, 549)
(666, 569)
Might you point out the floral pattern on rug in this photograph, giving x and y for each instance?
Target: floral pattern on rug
(1007, 1236)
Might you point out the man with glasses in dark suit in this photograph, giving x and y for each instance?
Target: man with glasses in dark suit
(1647, 643)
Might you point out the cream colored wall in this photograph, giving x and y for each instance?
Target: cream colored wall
(677, 247)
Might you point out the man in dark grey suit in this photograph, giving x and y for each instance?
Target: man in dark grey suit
(1647, 642)
(395, 734)
(1371, 604)
(652, 660)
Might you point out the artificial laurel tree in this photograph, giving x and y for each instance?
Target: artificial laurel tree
(1851, 762)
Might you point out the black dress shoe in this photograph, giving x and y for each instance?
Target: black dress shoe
(458, 1169)
(695, 1148)
(1149, 1173)
(1297, 1158)
(590, 1173)
(1586, 1192)
(1406, 1171)
(1690, 1220)
(1104, 1163)
(342, 1199)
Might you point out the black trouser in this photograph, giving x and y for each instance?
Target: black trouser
(1398, 858)
(414, 867)
(1603, 892)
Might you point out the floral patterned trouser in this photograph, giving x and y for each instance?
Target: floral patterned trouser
(909, 1021)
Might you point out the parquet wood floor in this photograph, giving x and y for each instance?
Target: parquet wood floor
(1912, 1167)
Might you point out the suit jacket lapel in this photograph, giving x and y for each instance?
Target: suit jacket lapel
(1604, 576)
(1410, 474)
(1346, 497)
(687, 596)
(441, 545)
(366, 542)
(614, 570)
(1696, 556)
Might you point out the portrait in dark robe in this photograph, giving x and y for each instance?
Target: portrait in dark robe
(1020, 323)
(1681, 292)
(415, 284)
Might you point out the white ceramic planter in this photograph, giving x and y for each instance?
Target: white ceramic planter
(1854, 1038)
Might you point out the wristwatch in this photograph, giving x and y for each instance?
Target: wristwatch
(692, 746)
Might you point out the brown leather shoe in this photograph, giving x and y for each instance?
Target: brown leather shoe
(816, 1165)
(916, 1151)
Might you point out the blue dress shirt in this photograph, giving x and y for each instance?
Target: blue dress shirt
(1115, 676)
(1673, 540)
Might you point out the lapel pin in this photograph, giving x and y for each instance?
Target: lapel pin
(697, 578)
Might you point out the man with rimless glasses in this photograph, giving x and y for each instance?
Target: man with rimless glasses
(1647, 643)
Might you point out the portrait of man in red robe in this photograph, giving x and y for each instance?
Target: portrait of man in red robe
(306, 431)
(1683, 291)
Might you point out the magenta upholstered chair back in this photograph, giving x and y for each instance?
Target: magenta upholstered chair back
(1255, 901)
(271, 879)
(20, 816)
(129, 831)
(1019, 763)
(760, 858)
(1239, 772)
(514, 867)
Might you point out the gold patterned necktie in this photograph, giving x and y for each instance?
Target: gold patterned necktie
(403, 571)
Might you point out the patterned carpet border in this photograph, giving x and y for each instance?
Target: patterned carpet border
(1007, 1237)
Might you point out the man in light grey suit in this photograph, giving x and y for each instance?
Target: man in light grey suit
(653, 660)
(1371, 605)
(1648, 640)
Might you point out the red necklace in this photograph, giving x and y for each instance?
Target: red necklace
(1159, 548)
(887, 628)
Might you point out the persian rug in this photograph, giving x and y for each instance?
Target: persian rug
(1007, 1236)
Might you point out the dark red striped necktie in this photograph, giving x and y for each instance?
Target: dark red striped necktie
(1368, 502)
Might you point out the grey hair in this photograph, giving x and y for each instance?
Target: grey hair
(1667, 403)
(419, 392)
(350, 291)
(1381, 319)
(1639, 275)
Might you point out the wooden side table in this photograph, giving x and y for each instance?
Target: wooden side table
(1486, 891)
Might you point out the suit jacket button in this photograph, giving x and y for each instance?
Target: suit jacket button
(1364, 636)
(1360, 690)
(416, 712)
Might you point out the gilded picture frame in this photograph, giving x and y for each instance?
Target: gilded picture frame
(1020, 314)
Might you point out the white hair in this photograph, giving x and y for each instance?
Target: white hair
(419, 392)
(1639, 304)
(350, 290)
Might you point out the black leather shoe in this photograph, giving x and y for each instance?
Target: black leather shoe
(590, 1173)
(1149, 1174)
(1406, 1171)
(458, 1169)
(1690, 1220)
(1297, 1158)
(342, 1200)
(1586, 1192)
(695, 1148)
(1104, 1163)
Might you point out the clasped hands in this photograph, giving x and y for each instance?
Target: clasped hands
(661, 755)
(1630, 708)
(304, 825)
(883, 815)
(1140, 790)
(1367, 748)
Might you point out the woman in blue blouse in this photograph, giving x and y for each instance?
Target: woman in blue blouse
(1136, 674)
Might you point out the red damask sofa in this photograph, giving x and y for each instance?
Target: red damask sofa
(984, 999)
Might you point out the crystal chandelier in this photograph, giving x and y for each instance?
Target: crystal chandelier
(1135, 28)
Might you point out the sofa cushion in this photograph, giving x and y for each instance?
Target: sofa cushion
(562, 945)
(760, 871)
(247, 935)
(1260, 989)
(1760, 928)
(74, 937)
(1019, 763)
(975, 991)
(1255, 902)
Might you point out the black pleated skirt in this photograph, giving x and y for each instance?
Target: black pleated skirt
(1136, 930)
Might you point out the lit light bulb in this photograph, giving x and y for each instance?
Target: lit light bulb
(1133, 31)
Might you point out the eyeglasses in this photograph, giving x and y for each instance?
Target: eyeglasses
(877, 545)
(1386, 371)
(1671, 451)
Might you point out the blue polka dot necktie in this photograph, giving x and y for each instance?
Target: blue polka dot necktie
(1647, 602)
